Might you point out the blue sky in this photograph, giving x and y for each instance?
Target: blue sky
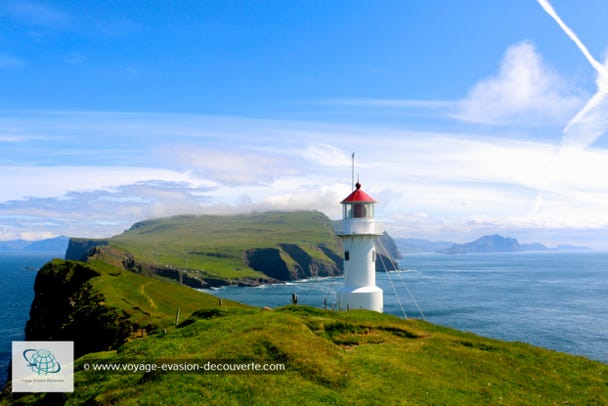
(467, 118)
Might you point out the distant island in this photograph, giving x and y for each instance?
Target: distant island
(208, 251)
(56, 244)
(486, 244)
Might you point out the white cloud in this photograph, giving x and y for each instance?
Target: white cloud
(431, 184)
(102, 212)
(229, 165)
(525, 91)
(326, 154)
(21, 182)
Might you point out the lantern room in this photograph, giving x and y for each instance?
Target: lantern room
(358, 204)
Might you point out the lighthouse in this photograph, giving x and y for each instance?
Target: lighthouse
(358, 231)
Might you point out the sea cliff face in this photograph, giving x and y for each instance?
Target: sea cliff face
(66, 308)
(291, 262)
(79, 249)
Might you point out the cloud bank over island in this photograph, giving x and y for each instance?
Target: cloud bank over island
(427, 183)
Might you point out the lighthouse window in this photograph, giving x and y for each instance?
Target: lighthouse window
(346, 255)
(374, 256)
(358, 210)
(348, 211)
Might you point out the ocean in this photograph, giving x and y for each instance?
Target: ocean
(553, 300)
(17, 272)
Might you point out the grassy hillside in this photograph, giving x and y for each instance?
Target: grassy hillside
(215, 244)
(356, 357)
(100, 306)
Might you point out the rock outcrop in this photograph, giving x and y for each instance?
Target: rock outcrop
(79, 249)
(292, 261)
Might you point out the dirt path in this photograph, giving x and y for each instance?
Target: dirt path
(143, 293)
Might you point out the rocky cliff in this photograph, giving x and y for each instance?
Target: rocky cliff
(65, 307)
(290, 262)
(79, 249)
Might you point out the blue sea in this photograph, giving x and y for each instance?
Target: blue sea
(17, 272)
(552, 300)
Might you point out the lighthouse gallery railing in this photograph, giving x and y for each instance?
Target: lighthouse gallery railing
(358, 226)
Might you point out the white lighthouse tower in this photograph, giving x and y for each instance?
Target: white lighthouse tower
(358, 230)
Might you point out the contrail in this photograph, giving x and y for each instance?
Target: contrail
(588, 124)
(551, 11)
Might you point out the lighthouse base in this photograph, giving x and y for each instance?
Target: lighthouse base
(369, 298)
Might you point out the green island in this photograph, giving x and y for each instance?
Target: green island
(120, 312)
(203, 251)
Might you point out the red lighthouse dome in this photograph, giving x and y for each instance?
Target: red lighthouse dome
(358, 196)
(358, 204)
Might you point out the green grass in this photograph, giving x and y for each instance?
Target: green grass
(150, 301)
(356, 357)
(214, 245)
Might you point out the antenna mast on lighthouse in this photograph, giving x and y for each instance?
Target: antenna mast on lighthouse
(353, 174)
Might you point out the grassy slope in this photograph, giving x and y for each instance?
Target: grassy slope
(357, 357)
(215, 244)
(354, 358)
(150, 301)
